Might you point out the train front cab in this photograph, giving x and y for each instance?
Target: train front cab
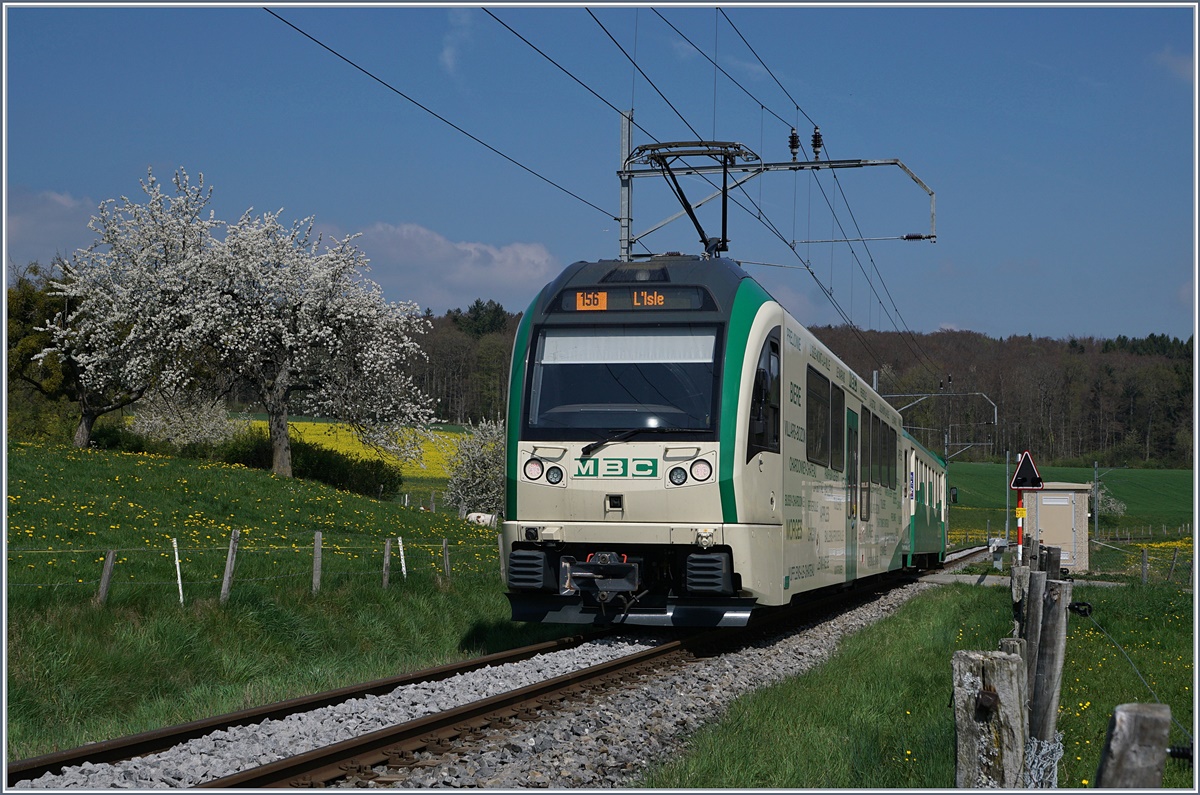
(623, 486)
(682, 463)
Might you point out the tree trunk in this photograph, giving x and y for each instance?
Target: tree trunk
(281, 445)
(83, 432)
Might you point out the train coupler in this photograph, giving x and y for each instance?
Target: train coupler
(602, 575)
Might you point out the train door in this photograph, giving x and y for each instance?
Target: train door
(852, 475)
(764, 463)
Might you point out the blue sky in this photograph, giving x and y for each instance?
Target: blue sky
(1060, 143)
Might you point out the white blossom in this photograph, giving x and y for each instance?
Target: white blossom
(126, 326)
(309, 332)
(159, 303)
(477, 469)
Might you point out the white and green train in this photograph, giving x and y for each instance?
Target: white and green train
(681, 451)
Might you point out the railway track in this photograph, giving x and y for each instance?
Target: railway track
(383, 755)
(413, 743)
(160, 739)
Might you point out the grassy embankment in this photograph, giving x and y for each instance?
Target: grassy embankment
(74, 670)
(872, 720)
(78, 673)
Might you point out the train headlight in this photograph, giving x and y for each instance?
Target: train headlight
(678, 476)
(534, 468)
(701, 469)
(554, 475)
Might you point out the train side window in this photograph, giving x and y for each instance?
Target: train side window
(765, 400)
(864, 488)
(893, 452)
(816, 417)
(837, 425)
(877, 462)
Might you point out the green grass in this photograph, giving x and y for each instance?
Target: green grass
(66, 507)
(77, 673)
(872, 720)
(1153, 497)
(81, 673)
(1154, 625)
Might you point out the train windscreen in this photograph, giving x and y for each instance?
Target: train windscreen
(607, 378)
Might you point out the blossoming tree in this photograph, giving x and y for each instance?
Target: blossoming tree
(125, 326)
(159, 302)
(305, 329)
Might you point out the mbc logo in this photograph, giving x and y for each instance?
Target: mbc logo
(616, 467)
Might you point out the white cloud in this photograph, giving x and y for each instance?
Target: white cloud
(1182, 66)
(457, 37)
(413, 263)
(38, 225)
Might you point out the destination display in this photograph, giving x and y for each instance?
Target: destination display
(635, 299)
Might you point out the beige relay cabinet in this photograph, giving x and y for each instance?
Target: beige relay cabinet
(1057, 516)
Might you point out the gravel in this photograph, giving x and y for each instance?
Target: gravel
(601, 745)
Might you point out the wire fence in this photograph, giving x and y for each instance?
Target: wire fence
(1148, 561)
(1152, 554)
(202, 572)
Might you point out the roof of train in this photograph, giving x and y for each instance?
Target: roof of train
(719, 275)
(925, 449)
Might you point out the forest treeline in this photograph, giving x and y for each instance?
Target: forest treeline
(1122, 401)
(1077, 401)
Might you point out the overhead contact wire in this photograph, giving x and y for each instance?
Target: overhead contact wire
(439, 117)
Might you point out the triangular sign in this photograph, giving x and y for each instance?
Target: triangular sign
(1026, 476)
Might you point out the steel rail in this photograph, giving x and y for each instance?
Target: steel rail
(322, 765)
(150, 742)
(358, 756)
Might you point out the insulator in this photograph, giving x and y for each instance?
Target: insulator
(1182, 753)
(794, 144)
(816, 143)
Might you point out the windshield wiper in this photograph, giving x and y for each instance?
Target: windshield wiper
(629, 433)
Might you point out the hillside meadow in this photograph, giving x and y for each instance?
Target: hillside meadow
(163, 649)
(78, 672)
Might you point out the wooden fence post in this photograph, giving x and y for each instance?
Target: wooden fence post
(387, 562)
(106, 576)
(1020, 593)
(1135, 750)
(1171, 571)
(1014, 646)
(1145, 565)
(178, 572)
(446, 556)
(503, 562)
(1052, 563)
(1033, 623)
(1052, 645)
(403, 565)
(227, 581)
(316, 562)
(990, 719)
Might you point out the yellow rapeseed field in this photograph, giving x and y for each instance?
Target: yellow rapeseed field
(339, 437)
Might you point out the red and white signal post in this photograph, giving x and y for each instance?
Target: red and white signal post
(1026, 478)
